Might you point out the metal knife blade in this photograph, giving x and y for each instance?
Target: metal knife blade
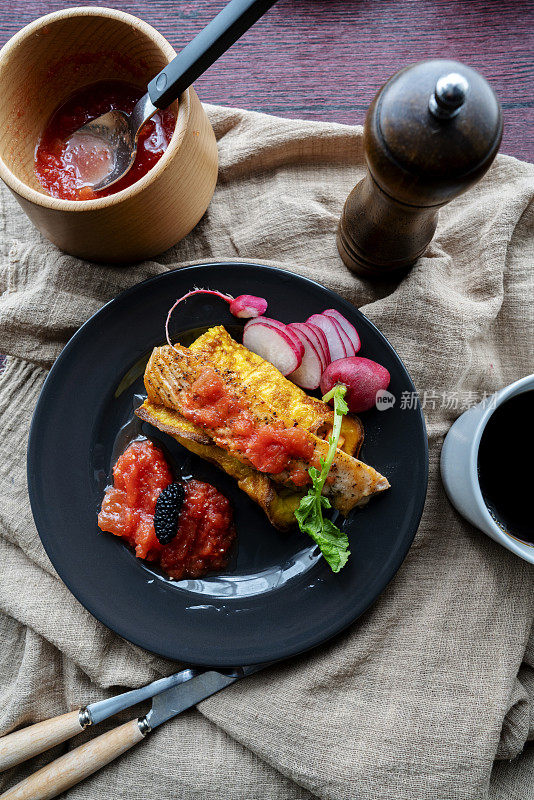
(173, 701)
(103, 709)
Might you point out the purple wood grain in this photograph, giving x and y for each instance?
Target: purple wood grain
(325, 59)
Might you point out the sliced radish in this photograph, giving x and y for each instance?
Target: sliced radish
(322, 339)
(349, 329)
(281, 326)
(331, 331)
(307, 338)
(308, 375)
(347, 342)
(308, 333)
(274, 345)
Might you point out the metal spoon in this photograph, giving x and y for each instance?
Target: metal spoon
(116, 132)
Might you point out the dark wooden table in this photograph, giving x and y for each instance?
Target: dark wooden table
(325, 59)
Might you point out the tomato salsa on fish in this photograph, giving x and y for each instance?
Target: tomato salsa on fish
(269, 448)
(68, 171)
(205, 531)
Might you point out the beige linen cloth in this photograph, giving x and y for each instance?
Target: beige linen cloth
(431, 693)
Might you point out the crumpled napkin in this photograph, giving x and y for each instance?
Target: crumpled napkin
(435, 683)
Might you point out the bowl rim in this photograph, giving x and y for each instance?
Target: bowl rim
(184, 111)
(521, 548)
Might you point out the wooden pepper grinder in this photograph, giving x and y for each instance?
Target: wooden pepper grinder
(431, 132)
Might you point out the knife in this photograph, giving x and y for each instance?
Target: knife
(187, 688)
(27, 742)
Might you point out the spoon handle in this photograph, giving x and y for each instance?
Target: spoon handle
(220, 34)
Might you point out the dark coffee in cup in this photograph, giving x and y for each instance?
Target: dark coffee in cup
(506, 466)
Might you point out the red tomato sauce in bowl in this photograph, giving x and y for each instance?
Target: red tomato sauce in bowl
(205, 532)
(61, 174)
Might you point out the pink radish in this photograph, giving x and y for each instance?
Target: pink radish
(244, 306)
(331, 331)
(349, 329)
(274, 345)
(308, 336)
(308, 375)
(362, 377)
(316, 332)
(347, 343)
(274, 323)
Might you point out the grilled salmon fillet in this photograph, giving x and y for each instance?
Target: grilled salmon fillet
(169, 376)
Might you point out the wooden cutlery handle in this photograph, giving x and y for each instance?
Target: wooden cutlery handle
(20, 745)
(76, 765)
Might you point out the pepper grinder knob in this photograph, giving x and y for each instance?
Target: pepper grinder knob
(430, 134)
(448, 96)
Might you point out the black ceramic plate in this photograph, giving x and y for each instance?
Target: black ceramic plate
(277, 597)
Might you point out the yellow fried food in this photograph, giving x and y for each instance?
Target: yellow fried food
(278, 502)
(169, 376)
(265, 387)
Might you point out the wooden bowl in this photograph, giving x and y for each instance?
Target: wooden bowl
(40, 67)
